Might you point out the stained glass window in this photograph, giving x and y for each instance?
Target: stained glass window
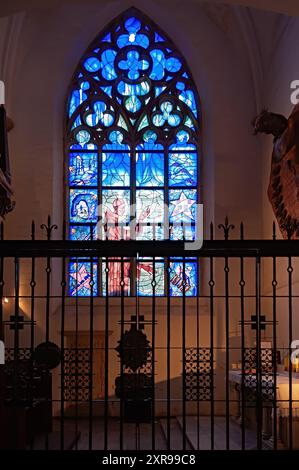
(132, 144)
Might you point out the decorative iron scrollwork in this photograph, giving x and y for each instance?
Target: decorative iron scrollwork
(226, 227)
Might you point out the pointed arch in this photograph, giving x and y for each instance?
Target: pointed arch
(132, 140)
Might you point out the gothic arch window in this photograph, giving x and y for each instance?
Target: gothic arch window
(132, 150)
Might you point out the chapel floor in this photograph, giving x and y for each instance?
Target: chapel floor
(77, 435)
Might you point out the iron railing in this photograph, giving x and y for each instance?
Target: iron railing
(159, 372)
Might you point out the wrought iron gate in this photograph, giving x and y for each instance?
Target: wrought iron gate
(160, 372)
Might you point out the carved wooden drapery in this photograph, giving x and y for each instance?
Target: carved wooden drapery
(283, 191)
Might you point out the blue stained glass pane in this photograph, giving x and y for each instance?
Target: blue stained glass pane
(159, 90)
(174, 120)
(150, 138)
(158, 38)
(77, 122)
(85, 146)
(166, 115)
(107, 38)
(141, 40)
(122, 123)
(80, 279)
(128, 89)
(108, 70)
(183, 278)
(133, 39)
(83, 169)
(150, 169)
(173, 64)
(182, 169)
(83, 137)
(143, 123)
(83, 232)
(187, 96)
(182, 142)
(182, 231)
(133, 104)
(145, 278)
(107, 90)
(83, 205)
(123, 41)
(116, 169)
(158, 64)
(77, 98)
(116, 138)
(132, 24)
(158, 120)
(189, 123)
(99, 114)
(108, 120)
(149, 166)
(166, 107)
(182, 205)
(133, 64)
(92, 64)
(142, 88)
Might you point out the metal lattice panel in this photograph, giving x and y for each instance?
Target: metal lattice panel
(77, 374)
(22, 354)
(198, 374)
(266, 382)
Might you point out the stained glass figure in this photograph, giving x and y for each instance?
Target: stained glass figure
(132, 137)
(116, 207)
(149, 161)
(115, 162)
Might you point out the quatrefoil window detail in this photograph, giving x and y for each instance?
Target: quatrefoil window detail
(94, 64)
(99, 114)
(133, 64)
(166, 115)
